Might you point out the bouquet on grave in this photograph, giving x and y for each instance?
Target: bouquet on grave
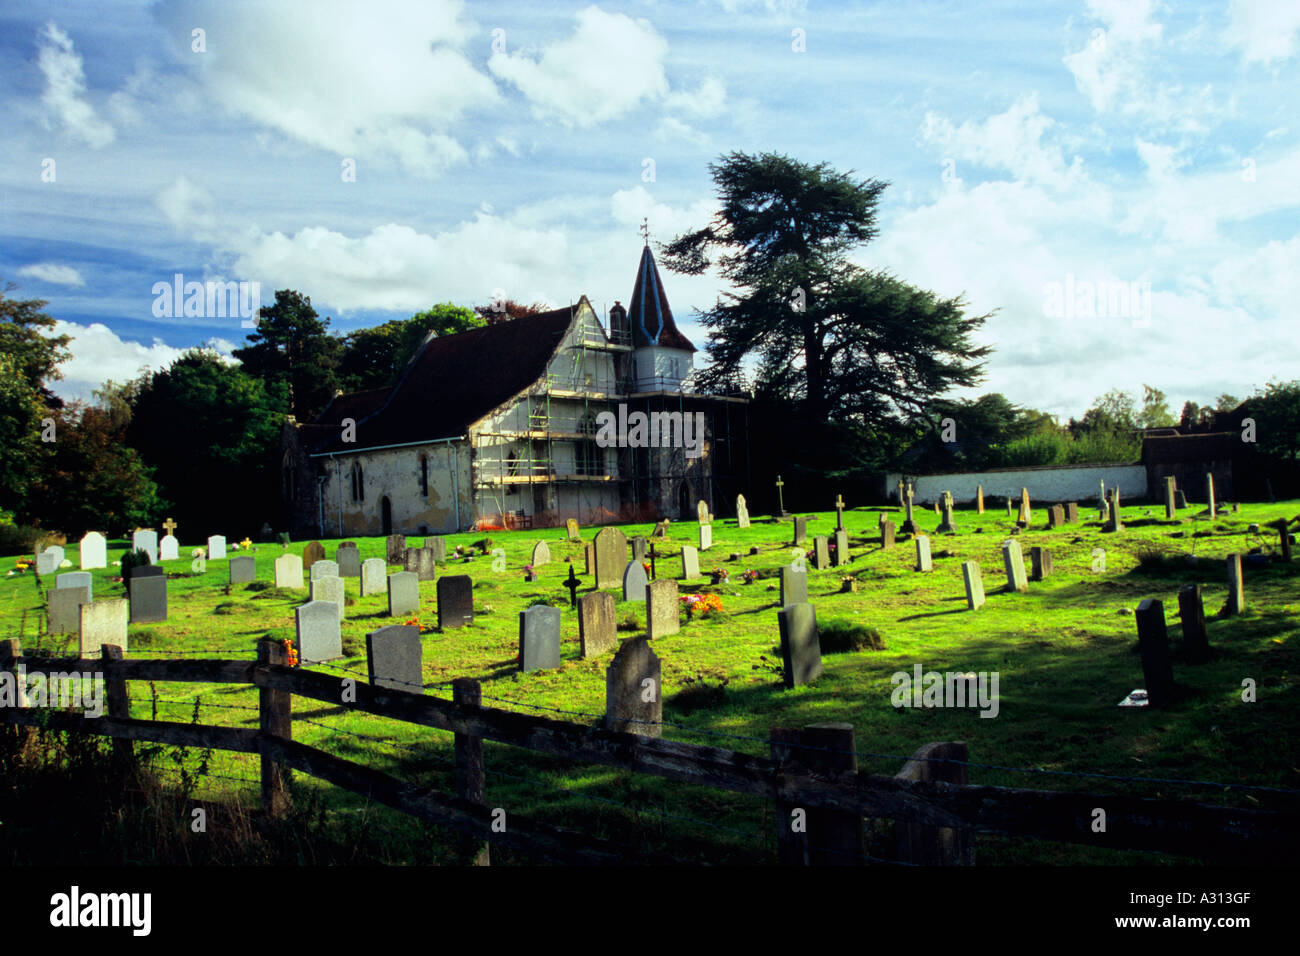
(701, 604)
(749, 576)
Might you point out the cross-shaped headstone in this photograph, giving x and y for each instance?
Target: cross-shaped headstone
(780, 497)
(170, 525)
(900, 492)
(246, 544)
(572, 585)
(839, 512)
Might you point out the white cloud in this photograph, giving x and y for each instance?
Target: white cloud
(189, 208)
(52, 273)
(1010, 141)
(609, 65)
(65, 86)
(628, 207)
(709, 99)
(1263, 30)
(382, 79)
(99, 355)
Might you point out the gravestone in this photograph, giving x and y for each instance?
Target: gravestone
(288, 571)
(597, 630)
(216, 546)
(742, 512)
(611, 557)
(48, 561)
(374, 574)
(243, 569)
(1026, 509)
(394, 549)
(1116, 520)
(1236, 585)
(947, 525)
(1055, 516)
(437, 546)
(63, 613)
(801, 653)
(148, 595)
(979, 499)
(1180, 499)
(887, 536)
(662, 608)
(455, 601)
(639, 546)
(1196, 642)
(1103, 514)
(93, 551)
(313, 552)
(146, 541)
(421, 561)
(901, 488)
(329, 589)
(589, 558)
(348, 558)
(706, 537)
(633, 693)
(319, 632)
(702, 513)
(634, 582)
(324, 568)
(394, 658)
(661, 529)
(839, 512)
(541, 554)
(1071, 512)
(140, 572)
(103, 622)
(690, 563)
(1010, 510)
(539, 638)
(794, 586)
(169, 548)
(572, 531)
(1013, 561)
(403, 593)
(77, 579)
(909, 523)
(1171, 506)
(800, 530)
(821, 553)
(841, 548)
(1040, 563)
(1153, 646)
(1209, 495)
(923, 562)
(974, 582)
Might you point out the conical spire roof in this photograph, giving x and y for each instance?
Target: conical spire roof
(648, 314)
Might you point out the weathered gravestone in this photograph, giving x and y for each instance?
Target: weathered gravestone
(923, 562)
(394, 658)
(662, 608)
(706, 537)
(216, 546)
(438, 546)
(887, 536)
(794, 586)
(634, 582)
(541, 554)
(1010, 509)
(319, 632)
(313, 552)
(639, 548)
(909, 523)
(1072, 512)
(841, 548)
(403, 593)
(821, 553)
(288, 571)
(947, 525)
(979, 499)
(572, 530)
(93, 551)
(974, 582)
(1196, 642)
(1209, 495)
(1055, 516)
(1180, 499)
(374, 572)
(660, 530)
(421, 561)
(77, 579)
(148, 595)
(169, 548)
(801, 653)
(1236, 585)
(1116, 520)
(633, 694)
(1026, 510)
(455, 601)
(1013, 562)
(328, 589)
(1040, 563)
(49, 560)
(742, 512)
(243, 569)
(539, 638)
(146, 541)
(800, 530)
(1171, 505)
(103, 622)
(63, 614)
(324, 569)
(394, 549)
(589, 558)
(348, 558)
(597, 631)
(702, 513)
(611, 557)
(690, 563)
(1153, 646)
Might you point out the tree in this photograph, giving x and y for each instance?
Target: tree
(1277, 419)
(292, 355)
(1190, 415)
(375, 357)
(497, 312)
(848, 344)
(1155, 409)
(1112, 412)
(22, 412)
(1226, 403)
(979, 426)
(35, 354)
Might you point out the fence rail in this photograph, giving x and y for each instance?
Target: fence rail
(813, 770)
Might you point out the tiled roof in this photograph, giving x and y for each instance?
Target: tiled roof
(648, 314)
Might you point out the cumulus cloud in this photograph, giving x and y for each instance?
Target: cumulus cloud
(52, 273)
(1264, 31)
(65, 87)
(100, 355)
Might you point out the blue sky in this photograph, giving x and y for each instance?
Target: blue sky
(1034, 151)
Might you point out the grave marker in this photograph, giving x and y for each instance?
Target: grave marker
(539, 638)
(706, 537)
(63, 610)
(800, 531)
(1026, 510)
(374, 575)
(1040, 563)
(1209, 495)
(947, 525)
(1055, 516)
(662, 608)
(974, 582)
(288, 571)
(589, 558)
(319, 632)
(329, 589)
(841, 548)
(702, 513)
(437, 546)
(394, 549)
(541, 554)
(794, 586)
(1236, 585)
(93, 551)
(1072, 512)
(979, 499)
(348, 558)
(1191, 609)
(742, 512)
(169, 548)
(611, 557)
(103, 622)
(1153, 646)
(422, 561)
(690, 563)
(1013, 561)
(394, 658)
(243, 569)
(909, 523)
(313, 552)
(839, 513)
(887, 536)
(1171, 506)
(639, 545)
(1116, 522)
(77, 579)
(801, 655)
(1180, 499)
(572, 530)
(216, 546)
(455, 601)
(403, 593)
(634, 582)
(146, 540)
(633, 692)
(324, 569)
(821, 553)
(1284, 538)
(597, 630)
(923, 562)
(147, 595)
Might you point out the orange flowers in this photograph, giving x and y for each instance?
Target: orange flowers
(291, 651)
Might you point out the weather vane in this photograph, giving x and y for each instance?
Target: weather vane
(645, 230)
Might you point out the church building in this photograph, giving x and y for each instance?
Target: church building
(508, 426)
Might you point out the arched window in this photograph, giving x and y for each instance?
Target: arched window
(358, 483)
(424, 475)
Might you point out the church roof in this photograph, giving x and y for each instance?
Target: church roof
(648, 314)
(452, 382)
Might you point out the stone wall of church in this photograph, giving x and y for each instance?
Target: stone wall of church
(394, 475)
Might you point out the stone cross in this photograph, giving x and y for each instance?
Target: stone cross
(780, 497)
(909, 523)
(572, 584)
(170, 525)
(900, 492)
(839, 512)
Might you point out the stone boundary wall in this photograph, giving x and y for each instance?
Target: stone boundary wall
(1081, 483)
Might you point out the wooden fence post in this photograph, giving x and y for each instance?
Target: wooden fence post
(817, 837)
(275, 720)
(935, 846)
(15, 738)
(471, 772)
(119, 706)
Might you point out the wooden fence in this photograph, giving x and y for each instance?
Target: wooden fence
(811, 775)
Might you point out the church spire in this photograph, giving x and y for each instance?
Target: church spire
(649, 315)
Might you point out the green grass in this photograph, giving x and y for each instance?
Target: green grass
(1065, 653)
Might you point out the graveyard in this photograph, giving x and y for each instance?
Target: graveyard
(1058, 623)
